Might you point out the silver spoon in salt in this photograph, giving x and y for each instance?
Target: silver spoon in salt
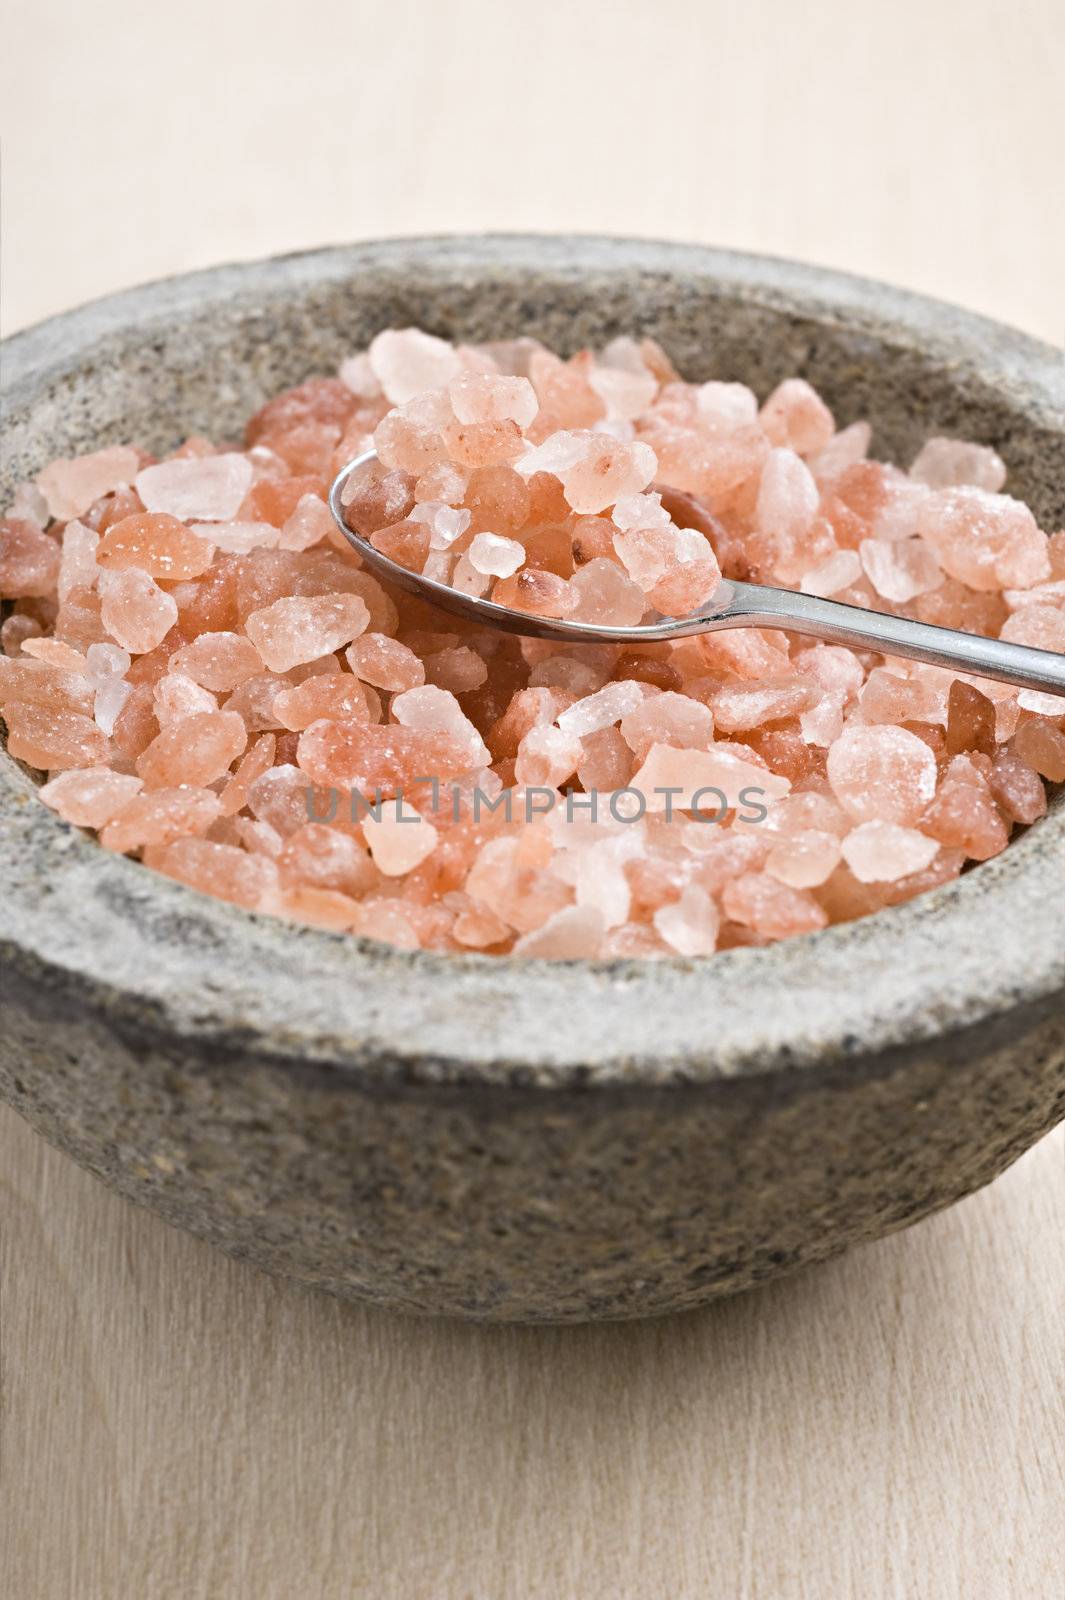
(735, 605)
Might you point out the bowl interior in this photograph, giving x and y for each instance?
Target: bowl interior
(200, 353)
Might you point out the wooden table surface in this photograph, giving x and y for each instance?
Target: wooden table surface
(888, 1425)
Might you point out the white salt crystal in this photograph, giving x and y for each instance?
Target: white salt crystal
(398, 837)
(496, 556)
(198, 488)
(556, 455)
(108, 702)
(602, 709)
(77, 563)
(838, 572)
(407, 361)
(689, 925)
(900, 569)
(882, 852)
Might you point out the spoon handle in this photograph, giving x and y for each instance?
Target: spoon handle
(756, 606)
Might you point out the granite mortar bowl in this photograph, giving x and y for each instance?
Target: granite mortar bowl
(529, 1141)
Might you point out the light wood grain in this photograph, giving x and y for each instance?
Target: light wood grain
(888, 1426)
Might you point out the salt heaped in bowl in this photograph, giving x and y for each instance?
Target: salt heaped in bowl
(205, 672)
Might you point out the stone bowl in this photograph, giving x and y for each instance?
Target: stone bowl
(530, 1141)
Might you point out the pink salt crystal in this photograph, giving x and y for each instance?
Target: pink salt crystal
(602, 709)
(786, 506)
(29, 560)
(669, 718)
(822, 723)
(109, 702)
(499, 558)
(1042, 746)
(460, 669)
(675, 567)
(135, 611)
(739, 706)
(29, 505)
(881, 773)
(987, 541)
(726, 405)
(904, 694)
(607, 595)
(1040, 626)
(368, 757)
(883, 852)
(157, 816)
(555, 455)
(218, 661)
(309, 524)
(599, 877)
(568, 935)
(1017, 788)
(399, 838)
(77, 565)
(195, 749)
(690, 924)
(410, 438)
(53, 740)
(221, 870)
(693, 774)
(157, 544)
(176, 696)
(406, 362)
(282, 797)
(540, 593)
(964, 814)
(320, 908)
(89, 797)
(899, 569)
(336, 695)
(356, 373)
(196, 489)
(843, 450)
(256, 760)
(771, 908)
(296, 629)
(547, 757)
(838, 571)
(15, 630)
(607, 471)
(952, 463)
(430, 710)
(239, 538)
(58, 654)
(71, 487)
(639, 511)
(805, 859)
(385, 662)
(485, 397)
(476, 926)
(625, 394)
(327, 858)
(796, 416)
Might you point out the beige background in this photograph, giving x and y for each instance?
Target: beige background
(888, 1425)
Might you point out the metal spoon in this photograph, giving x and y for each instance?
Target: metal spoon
(737, 605)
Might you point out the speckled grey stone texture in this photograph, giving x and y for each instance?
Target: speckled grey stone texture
(529, 1141)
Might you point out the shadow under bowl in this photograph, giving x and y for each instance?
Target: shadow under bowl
(500, 1139)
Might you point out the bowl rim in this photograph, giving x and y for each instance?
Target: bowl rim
(85, 931)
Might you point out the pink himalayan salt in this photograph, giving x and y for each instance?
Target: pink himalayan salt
(406, 362)
(175, 697)
(486, 397)
(70, 487)
(321, 908)
(787, 503)
(741, 706)
(900, 569)
(606, 595)
(29, 560)
(805, 859)
(16, 629)
(338, 696)
(160, 545)
(882, 773)
(690, 924)
(385, 663)
(883, 852)
(796, 416)
(836, 572)
(28, 504)
(987, 541)
(571, 934)
(726, 405)
(89, 797)
(669, 718)
(134, 610)
(433, 711)
(399, 838)
(239, 538)
(282, 798)
(196, 489)
(256, 760)
(219, 869)
(689, 771)
(369, 758)
(675, 567)
(845, 449)
(540, 593)
(547, 757)
(458, 669)
(308, 525)
(1042, 746)
(600, 710)
(295, 630)
(53, 740)
(1017, 788)
(964, 814)
(625, 394)
(1040, 626)
(327, 858)
(195, 749)
(157, 816)
(952, 463)
(772, 909)
(77, 564)
(218, 661)
(57, 654)
(606, 471)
